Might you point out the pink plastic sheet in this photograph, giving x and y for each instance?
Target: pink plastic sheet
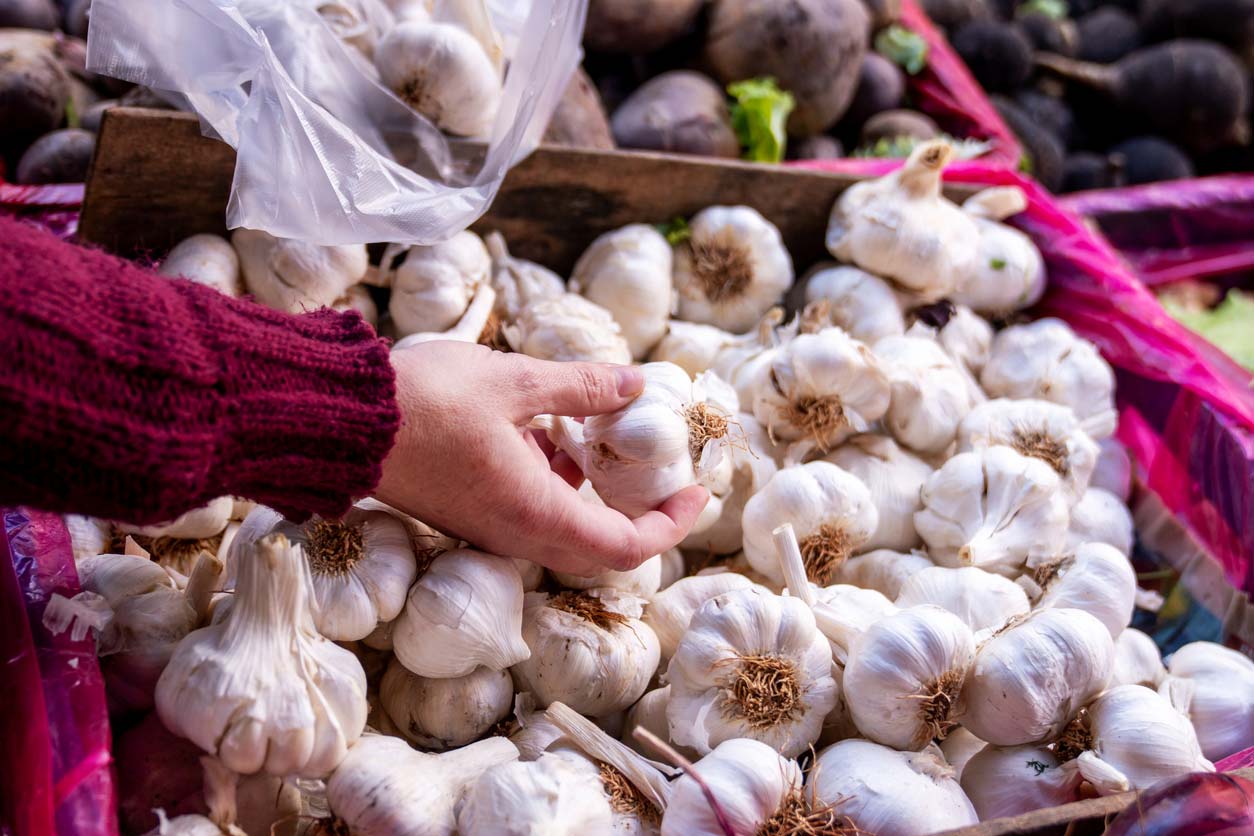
(55, 776)
(55, 207)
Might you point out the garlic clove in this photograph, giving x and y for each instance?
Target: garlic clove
(643, 581)
(750, 781)
(1137, 660)
(673, 567)
(929, 394)
(1097, 578)
(861, 304)
(628, 272)
(442, 714)
(958, 747)
(753, 464)
(296, 276)
(1113, 471)
(197, 524)
(568, 328)
(1009, 272)
(1222, 704)
(1101, 517)
(649, 713)
(845, 612)
(205, 259)
(557, 794)
(693, 346)
(519, 283)
(433, 285)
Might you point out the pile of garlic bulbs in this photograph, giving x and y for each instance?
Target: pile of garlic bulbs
(915, 562)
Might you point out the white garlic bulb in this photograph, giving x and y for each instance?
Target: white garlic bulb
(891, 793)
(673, 567)
(205, 259)
(968, 339)
(262, 690)
(532, 574)
(731, 269)
(930, 395)
(693, 346)
(1009, 273)
(753, 465)
(1029, 681)
(628, 272)
(1046, 360)
(642, 581)
(440, 714)
(1222, 704)
(958, 747)
(443, 72)
(1096, 578)
(465, 611)
(900, 227)
(565, 328)
(519, 283)
(533, 732)
(589, 650)
(1008, 781)
(752, 664)
(1101, 517)
(904, 676)
(676, 433)
(385, 788)
(982, 600)
(820, 387)
(197, 524)
(357, 298)
(862, 305)
(883, 570)
(751, 782)
(894, 477)
(475, 325)
(433, 285)
(1137, 661)
(669, 611)
(649, 713)
(830, 509)
(845, 612)
(557, 794)
(295, 276)
(1138, 736)
(993, 509)
(1114, 469)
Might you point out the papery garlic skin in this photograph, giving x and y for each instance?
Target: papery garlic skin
(642, 581)
(1009, 272)
(534, 732)
(519, 283)
(894, 477)
(1046, 360)
(993, 509)
(568, 328)
(859, 303)
(1222, 704)
(1029, 681)
(968, 339)
(891, 793)
(930, 395)
(900, 227)
(750, 781)
(735, 637)
(205, 259)
(385, 788)
(628, 272)
(464, 611)
(433, 285)
(649, 713)
(669, 611)
(845, 612)
(830, 509)
(883, 570)
(1101, 517)
(589, 650)
(751, 469)
(551, 795)
(731, 269)
(443, 714)
(1113, 471)
(693, 346)
(958, 747)
(905, 674)
(262, 690)
(296, 276)
(1137, 660)
(1008, 781)
(1098, 579)
(88, 536)
(197, 524)
(982, 600)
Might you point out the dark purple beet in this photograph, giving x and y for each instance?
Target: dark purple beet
(637, 26)
(1044, 151)
(680, 111)
(891, 124)
(1047, 34)
(998, 54)
(819, 147)
(1149, 159)
(881, 86)
(1229, 22)
(1106, 35)
(29, 14)
(1087, 170)
(59, 157)
(950, 14)
(1049, 112)
(89, 119)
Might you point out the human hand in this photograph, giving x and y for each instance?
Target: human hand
(465, 462)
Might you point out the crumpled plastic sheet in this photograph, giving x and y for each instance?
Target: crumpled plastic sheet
(55, 776)
(1176, 230)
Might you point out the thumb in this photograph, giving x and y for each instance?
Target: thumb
(577, 389)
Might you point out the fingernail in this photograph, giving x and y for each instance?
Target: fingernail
(630, 381)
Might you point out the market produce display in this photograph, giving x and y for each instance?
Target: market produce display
(915, 561)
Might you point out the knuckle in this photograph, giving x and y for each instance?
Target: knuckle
(593, 384)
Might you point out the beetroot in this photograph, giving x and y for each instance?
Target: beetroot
(998, 54)
(637, 26)
(29, 14)
(1229, 22)
(881, 86)
(579, 120)
(1149, 159)
(898, 123)
(950, 14)
(1107, 34)
(58, 157)
(680, 111)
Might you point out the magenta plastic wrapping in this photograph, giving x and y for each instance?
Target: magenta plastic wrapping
(1180, 229)
(1238, 760)
(56, 766)
(55, 207)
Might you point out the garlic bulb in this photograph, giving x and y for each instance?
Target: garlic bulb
(958, 747)
(385, 788)
(845, 612)
(557, 795)
(443, 72)
(1009, 273)
(882, 570)
(894, 478)
(357, 298)
(1113, 471)
(649, 713)
(1097, 578)
(1008, 781)
(693, 346)
(197, 524)
(433, 285)
(642, 581)
(890, 793)
(830, 509)
(628, 272)
(755, 665)
(673, 567)
(475, 325)
(753, 465)
(968, 339)
(982, 600)
(88, 536)
(568, 327)
(589, 650)
(519, 283)
(904, 676)
(443, 714)
(862, 305)
(1222, 705)
(1029, 680)
(1136, 739)
(821, 387)
(205, 259)
(1046, 360)
(752, 783)
(993, 509)
(533, 732)
(900, 227)
(676, 433)
(1101, 517)
(731, 269)
(1137, 661)
(668, 612)
(930, 396)
(295, 276)
(262, 690)
(465, 611)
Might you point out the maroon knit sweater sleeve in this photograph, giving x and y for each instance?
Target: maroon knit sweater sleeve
(131, 396)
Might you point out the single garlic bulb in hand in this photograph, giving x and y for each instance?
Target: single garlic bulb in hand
(731, 269)
(982, 600)
(1009, 273)
(1101, 517)
(883, 570)
(565, 328)
(1096, 578)
(894, 477)
(205, 259)
(693, 346)
(859, 303)
(1222, 691)
(1137, 661)
(930, 395)
(433, 285)
(628, 272)
(442, 714)
(297, 276)
(1008, 781)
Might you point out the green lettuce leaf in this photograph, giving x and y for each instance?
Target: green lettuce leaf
(759, 117)
(1229, 325)
(675, 231)
(903, 47)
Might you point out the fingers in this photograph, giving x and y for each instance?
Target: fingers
(571, 389)
(564, 466)
(663, 528)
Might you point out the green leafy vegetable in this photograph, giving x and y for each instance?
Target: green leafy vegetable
(899, 147)
(675, 232)
(903, 47)
(998, 263)
(1052, 9)
(71, 113)
(759, 117)
(1229, 325)
(1025, 163)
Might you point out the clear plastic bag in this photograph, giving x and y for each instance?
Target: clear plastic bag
(326, 153)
